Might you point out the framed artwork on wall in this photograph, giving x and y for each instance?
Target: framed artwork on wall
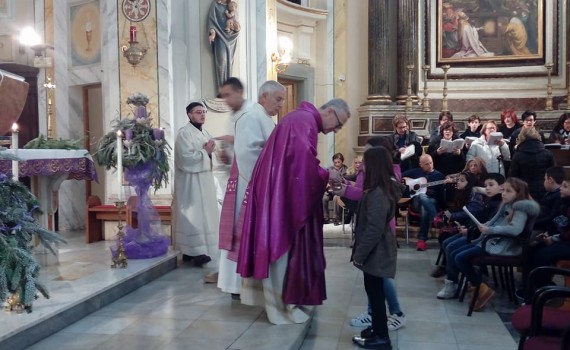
(6, 48)
(84, 33)
(7, 9)
(489, 31)
(479, 35)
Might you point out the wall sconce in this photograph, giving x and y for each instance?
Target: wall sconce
(134, 53)
(29, 38)
(281, 60)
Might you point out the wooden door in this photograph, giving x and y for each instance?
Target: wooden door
(291, 96)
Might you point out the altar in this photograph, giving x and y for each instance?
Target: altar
(48, 168)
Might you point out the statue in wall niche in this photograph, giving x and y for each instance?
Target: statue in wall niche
(231, 23)
(223, 41)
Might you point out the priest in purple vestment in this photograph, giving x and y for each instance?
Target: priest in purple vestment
(282, 233)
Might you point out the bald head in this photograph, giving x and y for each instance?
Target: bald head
(426, 163)
(271, 96)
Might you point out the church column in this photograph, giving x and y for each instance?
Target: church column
(378, 53)
(407, 48)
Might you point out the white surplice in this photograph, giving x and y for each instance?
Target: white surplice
(252, 129)
(196, 214)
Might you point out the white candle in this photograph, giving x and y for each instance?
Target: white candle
(120, 163)
(15, 169)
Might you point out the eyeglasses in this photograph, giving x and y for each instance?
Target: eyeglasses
(200, 112)
(528, 120)
(340, 124)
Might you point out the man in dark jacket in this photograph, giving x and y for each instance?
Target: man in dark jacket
(531, 161)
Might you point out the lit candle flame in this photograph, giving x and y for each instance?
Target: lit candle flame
(14, 127)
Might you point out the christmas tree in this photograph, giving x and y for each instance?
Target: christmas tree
(19, 270)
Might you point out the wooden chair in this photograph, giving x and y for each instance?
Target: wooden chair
(505, 264)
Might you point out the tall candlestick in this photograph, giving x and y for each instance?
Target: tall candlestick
(425, 101)
(548, 106)
(133, 34)
(120, 163)
(15, 165)
(444, 107)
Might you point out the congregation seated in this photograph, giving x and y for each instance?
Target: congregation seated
(340, 167)
(402, 139)
(468, 231)
(561, 131)
(508, 223)
(444, 161)
(492, 154)
(551, 202)
(553, 245)
(530, 161)
(473, 127)
(352, 171)
(476, 166)
(427, 203)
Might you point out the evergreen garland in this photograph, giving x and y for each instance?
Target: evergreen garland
(19, 271)
(141, 149)
(41, 142)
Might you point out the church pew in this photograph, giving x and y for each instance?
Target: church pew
(98, 213)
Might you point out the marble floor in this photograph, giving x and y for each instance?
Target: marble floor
(177, 311)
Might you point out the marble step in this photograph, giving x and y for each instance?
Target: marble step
(82, 282)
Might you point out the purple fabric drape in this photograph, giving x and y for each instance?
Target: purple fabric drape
(145, 241)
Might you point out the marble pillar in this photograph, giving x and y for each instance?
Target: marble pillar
(407, 48)
(378, 53)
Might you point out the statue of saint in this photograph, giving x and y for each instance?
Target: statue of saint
(223, 42)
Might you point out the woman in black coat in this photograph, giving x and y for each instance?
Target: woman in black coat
(446, 162)
(531, 161)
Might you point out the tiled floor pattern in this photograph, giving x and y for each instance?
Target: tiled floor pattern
(177, 311)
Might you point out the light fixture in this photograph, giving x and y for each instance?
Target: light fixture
(134, 53)
(29, 38)
(281, 60)
(135, 11)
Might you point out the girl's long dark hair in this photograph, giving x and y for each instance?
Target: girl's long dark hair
(379, 171)
(462, 196)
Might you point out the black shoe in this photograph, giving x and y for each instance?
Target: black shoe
(367, 333)
(187, 257)
(438, 272)
(200, 260)
(376, 342)
(236, 296)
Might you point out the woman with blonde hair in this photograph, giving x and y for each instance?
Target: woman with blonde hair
(530, 161)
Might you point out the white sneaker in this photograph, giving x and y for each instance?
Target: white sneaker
(396, 322)
(363, 320)
(448, 290)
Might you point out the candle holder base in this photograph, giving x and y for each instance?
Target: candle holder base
(120, 257)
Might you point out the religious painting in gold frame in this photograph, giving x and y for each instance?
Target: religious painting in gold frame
(497, 31)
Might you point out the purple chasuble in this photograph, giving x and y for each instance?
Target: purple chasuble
(283, 211)
(227, 227)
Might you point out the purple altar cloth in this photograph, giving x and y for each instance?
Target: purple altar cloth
(76, 168)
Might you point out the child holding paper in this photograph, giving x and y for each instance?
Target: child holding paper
(509, 221)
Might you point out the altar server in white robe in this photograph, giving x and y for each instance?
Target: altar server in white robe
(253, 125)
(196, 213)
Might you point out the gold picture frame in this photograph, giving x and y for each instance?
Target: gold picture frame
(479, 32)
